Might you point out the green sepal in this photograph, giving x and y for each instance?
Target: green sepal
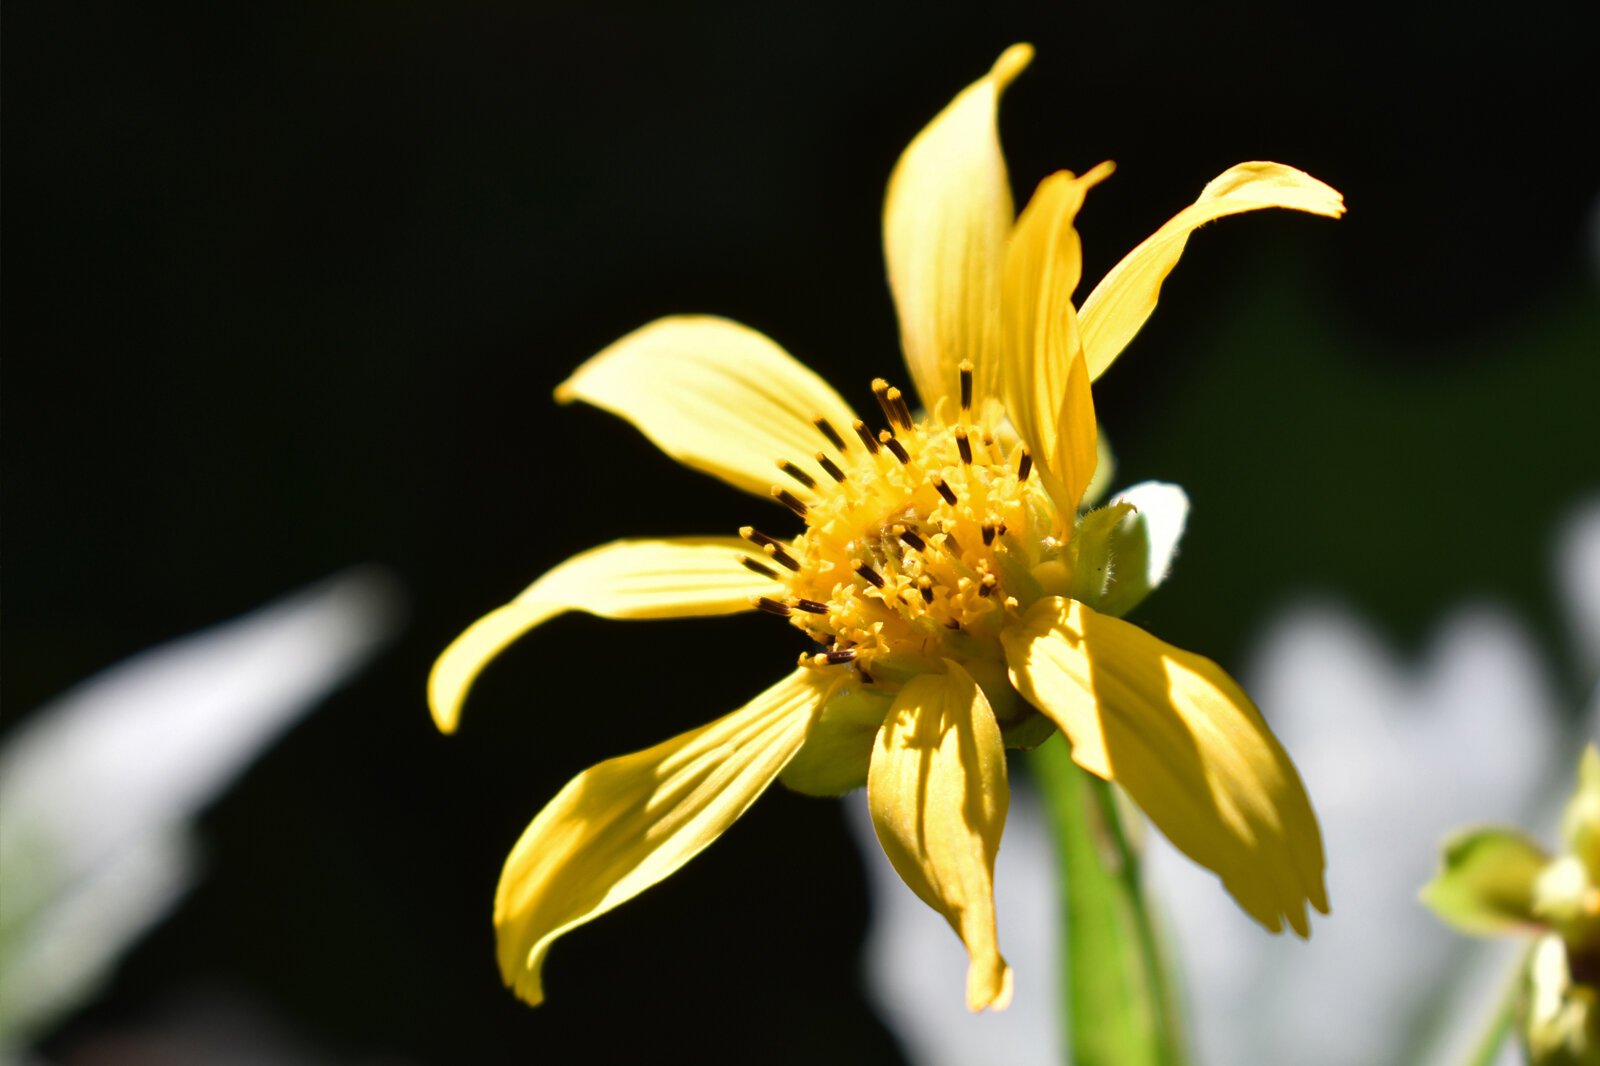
(1094, 558)
(1028, 732)
(1486, 880)
(834, 758)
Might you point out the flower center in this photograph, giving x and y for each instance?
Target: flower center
(921, 541)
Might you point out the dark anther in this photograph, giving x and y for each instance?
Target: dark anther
(888, 440)
(988, 585)
(751, 564)
(964, 446)
(911, 538)
(772, 606)
(799, 475)
(838, 658)
(830, 467)
(954, 623)
(950, 544)
(755, 536)
(1024, 465)
(776, 553)
(866, 435)
(811, 606)
(966, 385)
(789, 500)
(945, 490)
(902, 413)
(826, 429)
(925, 586)
(880, 392)
(988, 533)
(868, 574)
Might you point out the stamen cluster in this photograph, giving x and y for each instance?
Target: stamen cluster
(913, 535)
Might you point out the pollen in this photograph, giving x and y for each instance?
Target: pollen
(918, 544)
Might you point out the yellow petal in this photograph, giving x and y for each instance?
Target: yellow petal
(1043, 378)
(678, 578)
(716, 396)
(621, 826)
(1119, 305)
(938, 794)
(945, 218)
(1186, 743)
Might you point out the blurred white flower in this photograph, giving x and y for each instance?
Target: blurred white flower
(97, 789)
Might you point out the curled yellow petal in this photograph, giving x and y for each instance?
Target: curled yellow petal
(621, 826)
(1042, 374)
(1119, 305)
(716, 396)
(938, 794)
(673, 578)
(1186, 743)
(945, 218)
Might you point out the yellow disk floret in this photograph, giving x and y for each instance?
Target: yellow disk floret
(919, 541)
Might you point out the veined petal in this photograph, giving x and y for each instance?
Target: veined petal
(716, 396)
(1186, 743)
(621, 826)
(676, 578)
(1042, 373)
(945, 218)
(938, 794)
(1119, 305)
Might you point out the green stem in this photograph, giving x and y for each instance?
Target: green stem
(1499, 1026)
(1118, 998)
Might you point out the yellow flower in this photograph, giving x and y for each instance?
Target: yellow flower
(937, 574)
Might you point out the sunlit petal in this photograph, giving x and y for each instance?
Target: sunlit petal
(945, 219)
(714, 395)
(676, 578)
(1119, 305)
(938, 793)
(621, 826)
(1186, 743)
(1043, 378)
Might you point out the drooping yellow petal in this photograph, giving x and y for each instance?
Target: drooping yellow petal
(621, 826)
(938, 794)
(675, 578)
(716, 396)
(1119, 305)
(945, 219)
(1042, 374)
(1186, 743)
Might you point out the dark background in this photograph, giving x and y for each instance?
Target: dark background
(287, 288)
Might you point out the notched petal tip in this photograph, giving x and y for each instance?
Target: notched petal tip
(988, 985)
(1186, 743)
